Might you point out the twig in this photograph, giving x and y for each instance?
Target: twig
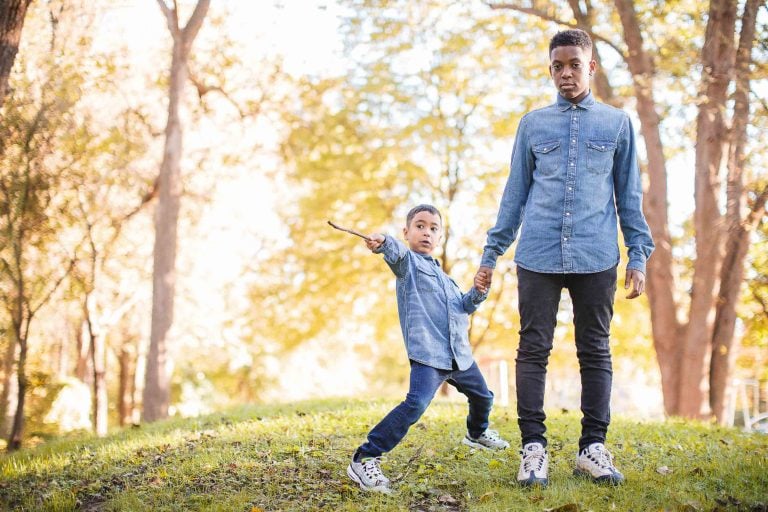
(408, 464)
(351, 231)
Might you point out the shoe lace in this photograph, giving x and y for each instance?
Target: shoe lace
(533, 460)
(492, 435)
(372, 468)
(602, 458)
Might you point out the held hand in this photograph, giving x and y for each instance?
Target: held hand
(636, 279)
(375, 242)
(483, 279)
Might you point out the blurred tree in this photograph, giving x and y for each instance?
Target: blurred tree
(12, 14)
(683, 347)
(417, 118)
(156, 390)
(35, 203)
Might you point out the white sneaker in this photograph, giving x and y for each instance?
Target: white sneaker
(367, 473)
(597, 463)
(534, 465)
(488, 440)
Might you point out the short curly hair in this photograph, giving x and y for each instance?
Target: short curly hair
(572, 37)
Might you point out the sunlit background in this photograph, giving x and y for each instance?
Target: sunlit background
(297, 112)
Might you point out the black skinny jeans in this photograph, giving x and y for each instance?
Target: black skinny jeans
(539, 296)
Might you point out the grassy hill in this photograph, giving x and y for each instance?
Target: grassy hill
(293, 457)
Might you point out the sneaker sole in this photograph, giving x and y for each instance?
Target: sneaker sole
(533, 481)
(351, 474)
(605, 479)
(480, 446)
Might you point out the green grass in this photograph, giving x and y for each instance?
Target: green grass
(293, 457)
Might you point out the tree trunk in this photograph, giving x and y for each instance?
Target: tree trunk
(5, 396)
(737, 243)
(126, 385)
(157, 389)
(711, 132)
(12, 13)
(17, 428)
(83, 349)
(98, 365)
(665, 326)
(157, 392)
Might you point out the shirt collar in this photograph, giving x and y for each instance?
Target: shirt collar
(563, 104)
(428, 257)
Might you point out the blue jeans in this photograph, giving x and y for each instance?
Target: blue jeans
(425, 382)
(539, 297)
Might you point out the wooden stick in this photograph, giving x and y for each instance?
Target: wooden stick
(351, 231)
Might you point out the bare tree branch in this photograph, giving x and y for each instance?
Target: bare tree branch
(170, 17)
(195, 22)
(548, 17)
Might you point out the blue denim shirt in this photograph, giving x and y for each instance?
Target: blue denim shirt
(573, 169)
(434, 314)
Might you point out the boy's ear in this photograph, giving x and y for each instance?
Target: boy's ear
(405, 232)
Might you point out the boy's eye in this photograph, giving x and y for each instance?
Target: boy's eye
(577, 65)
(556, 67)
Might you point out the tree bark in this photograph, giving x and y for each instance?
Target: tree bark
(737, 242)
(126, 384)
(12, 14)
(17, 428)
(157, 389)
(665, 326)
(98, 365)
(5, 396)
(717, 60)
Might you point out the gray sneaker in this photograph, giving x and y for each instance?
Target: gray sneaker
(367, 474)
(534, 465)
(488, 440)
(596, 462)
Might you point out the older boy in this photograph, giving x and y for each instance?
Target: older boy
(434, 320)
(573, 169)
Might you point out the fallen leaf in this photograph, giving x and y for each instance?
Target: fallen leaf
(485, 497)
(447, 499)
(663, 470)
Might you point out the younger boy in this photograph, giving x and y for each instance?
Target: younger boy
(434, 320)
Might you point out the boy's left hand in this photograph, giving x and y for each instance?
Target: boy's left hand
(637, 280)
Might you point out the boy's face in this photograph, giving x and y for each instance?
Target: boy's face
(424, 232)
(570, 68)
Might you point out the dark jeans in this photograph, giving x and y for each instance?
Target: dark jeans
(425, 381)
(539, 297)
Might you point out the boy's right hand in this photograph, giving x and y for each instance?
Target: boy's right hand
(375, 242)
(483, 279)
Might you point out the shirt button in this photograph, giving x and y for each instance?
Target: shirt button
(565, 238)
(570, 189)
(567, 214)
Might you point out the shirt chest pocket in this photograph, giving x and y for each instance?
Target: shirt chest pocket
(427, 280)
(547, 156)
(600, 156)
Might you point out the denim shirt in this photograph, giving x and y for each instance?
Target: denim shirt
(573, 169)
(434, 314)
